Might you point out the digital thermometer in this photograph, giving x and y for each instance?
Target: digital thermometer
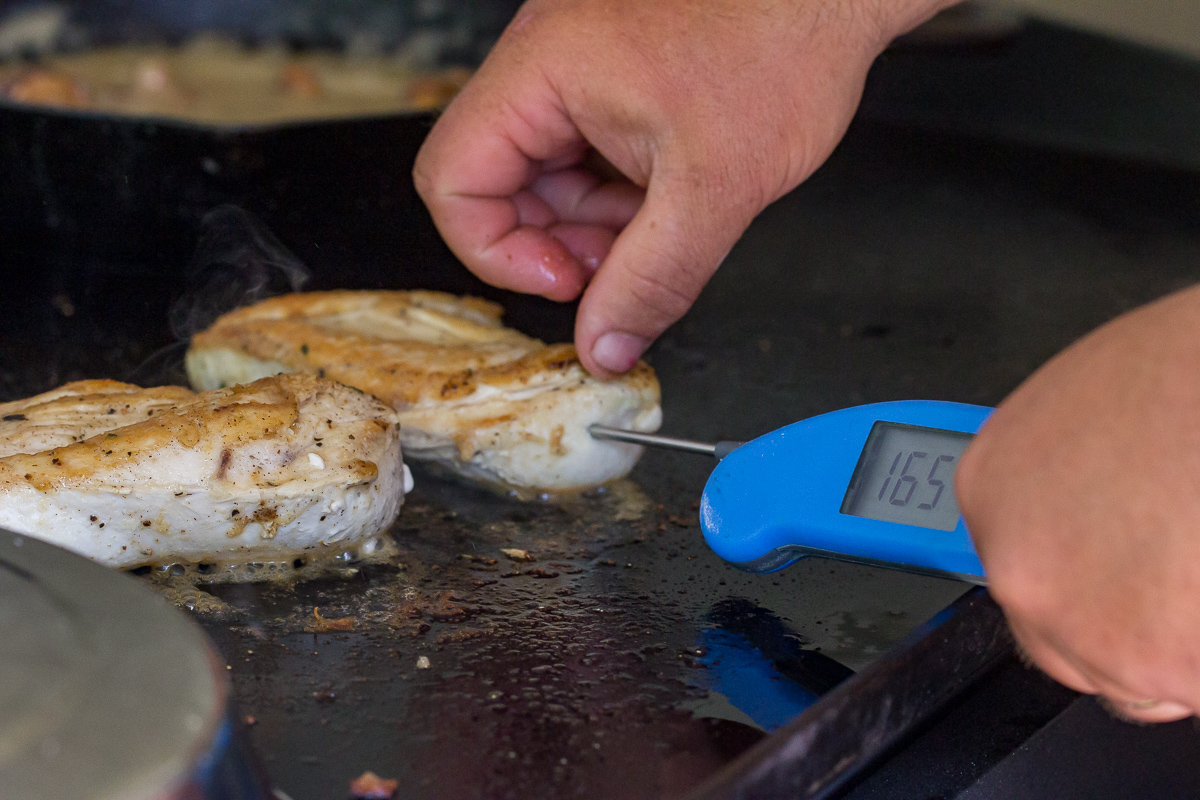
(872, 484)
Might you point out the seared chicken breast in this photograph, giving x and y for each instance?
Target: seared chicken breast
(127, 476)
(488, 402)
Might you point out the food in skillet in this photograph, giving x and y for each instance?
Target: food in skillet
(218, 82)
(42, 87)
(283, 467)
(486, 401)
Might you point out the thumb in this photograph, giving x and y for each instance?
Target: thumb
(654, 272)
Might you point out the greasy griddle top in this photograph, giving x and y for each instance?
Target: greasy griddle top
(591, 671)
(912, 265)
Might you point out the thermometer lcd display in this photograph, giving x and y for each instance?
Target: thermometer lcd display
(906, 474)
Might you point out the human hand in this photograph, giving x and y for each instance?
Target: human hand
(1082, 493)
(709, 110)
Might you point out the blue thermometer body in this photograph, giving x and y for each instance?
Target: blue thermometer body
(871, 484)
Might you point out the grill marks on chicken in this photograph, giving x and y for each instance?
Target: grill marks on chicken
(484, 400)
(76, 411)
(131, 476)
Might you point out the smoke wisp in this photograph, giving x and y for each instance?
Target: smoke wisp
(238, 261)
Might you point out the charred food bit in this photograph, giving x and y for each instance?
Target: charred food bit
(492, 404)
(130, 476)
(514, 554)
(322, 624)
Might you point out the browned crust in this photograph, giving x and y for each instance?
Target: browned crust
(299, 305)
(228, 416)
(78, 410)
(402, 372)
(243, 413)
(89, 391)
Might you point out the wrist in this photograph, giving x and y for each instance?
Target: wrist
(898, 17)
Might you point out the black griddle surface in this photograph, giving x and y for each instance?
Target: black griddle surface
(912, 265)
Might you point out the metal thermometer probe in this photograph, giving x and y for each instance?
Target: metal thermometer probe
(717, 451)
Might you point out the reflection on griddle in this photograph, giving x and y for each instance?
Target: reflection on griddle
(760, 671)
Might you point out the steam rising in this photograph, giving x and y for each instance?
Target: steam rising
(237, 262)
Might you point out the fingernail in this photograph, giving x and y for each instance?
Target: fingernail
(618, 352)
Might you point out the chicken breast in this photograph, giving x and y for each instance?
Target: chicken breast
(127, 476)
(484, 400)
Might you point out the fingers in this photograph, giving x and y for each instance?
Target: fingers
(1121, 700)
(579, 210)
(1048, 659)
(1148, 711)
(589, 244)
(653, 274)
(577, 195)
(505, 194)
(485, 150)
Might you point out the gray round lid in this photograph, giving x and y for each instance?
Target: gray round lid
(106, 691)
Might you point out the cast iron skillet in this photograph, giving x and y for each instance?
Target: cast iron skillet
(129, 193)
